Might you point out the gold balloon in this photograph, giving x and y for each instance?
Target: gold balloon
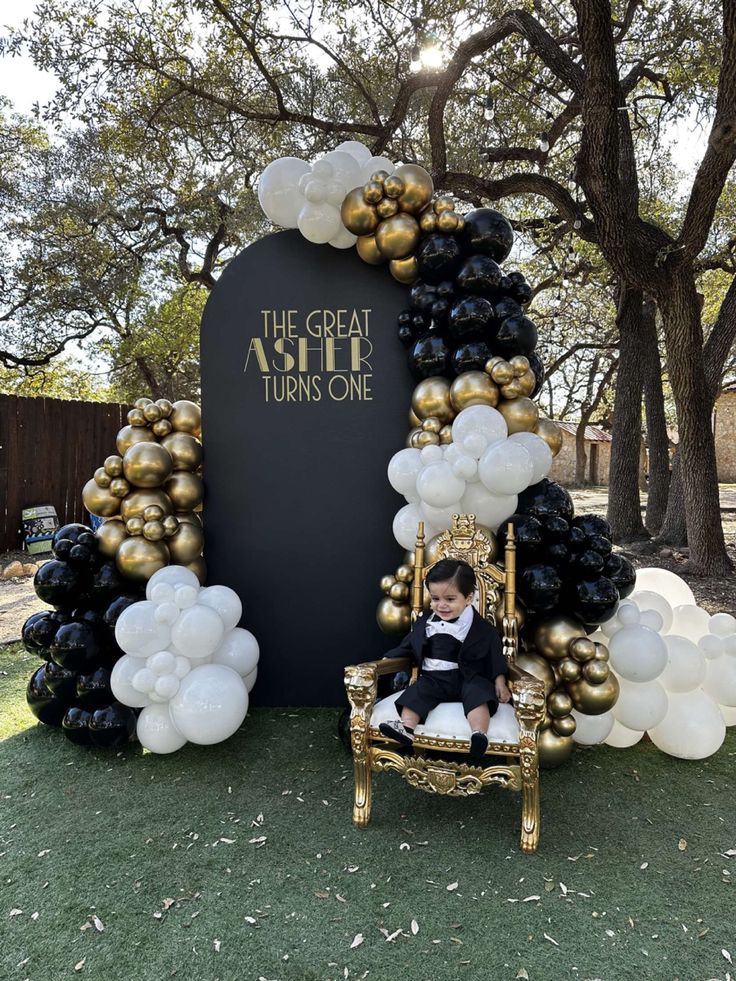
(98, 500)
(418, 188)
(114, 466)
(199, 568)
(405, 572)
(426, 439)
(186, 417)
(565, 726)
(553, 635)
(161, 428)
(397, 237)
(186, 544)
(153, 513)
(110, 534)
(368, 251)
(520, 365)
(387, 207)
(447, 222)
(601, 652)
(393, 187)
(473, 388)
(443, 203)
(399, 592)
(165, 407)
(411, 439)
(432, 552)
(445, 435)
(521, 415)
(393, 618)
(535, 665)
(559, 704)
(553, 749)
(142, 403)
(380, 176)
(596, 672)
(594, 699)
(372, 192)
(138, 559)
(186, 490)
(582, 649)
(386, 583)
(460, 223)
(568, 669)
(432, 425)
(512, 390)
(491, 363)
(170, 524)
(550, 433)
(527, 383)
(189, 517)
(502, 373)
(428, 222)
(414, 419)
(134, 526)
(409, 559)
(185, 450)
(357, 216)
(405, 271)
(147, 465)
(130, 435)
(102, 478)
(136, 418)
(431, 397)
(136, 503)
(152, 412)
(154, 531)
(120, 486)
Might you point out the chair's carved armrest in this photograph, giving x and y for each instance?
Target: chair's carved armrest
(529, 698)
(361, 680)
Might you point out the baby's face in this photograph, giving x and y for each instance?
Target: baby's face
(446, 600)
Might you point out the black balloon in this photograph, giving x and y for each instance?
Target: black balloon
(487, 231)
(422, 296)
(516, 335)
(470, 356)
(470, 317)
(593, 524)
(594, 600)
(61, 681)
(93, 690)
(42, 702)
(81, 555)
(556, 529)
(60, 584)
(523, 293)
(558, 555)
(535, 363)
(343, 729)
(600, 544)
(576, 541)
(507, 308)
(78, 647)
(38, 632)
(621, 573)
(405, 334)
(546, 498)
(539, 588)
(586, 564)
(528, 537)
(438, 258)
(112, 726)
(481, 276)
(429, 356)
(118, 605)
(106, 584)
(76, 725)
(71, 532)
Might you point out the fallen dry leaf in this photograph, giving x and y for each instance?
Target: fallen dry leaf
(682, 844)
(14, 912)
(99, 925)
(453, 886)
(414, 927)
(80, 964)
(217, 944)
(551, 939)
(727, 955)
(357, 940)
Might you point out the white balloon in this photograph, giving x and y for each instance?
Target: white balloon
(185, 596)
(675, 590)
(210, 705)
(162, 592)
(440, 517)
(403, 468)
(640, 706)
(729, 644)
(431, 454)
(334, 194)
(278, 190)
(162, 662)
(689, 621)
(405, 526)
(481, 420)
(376, 163)
(173, 575)
(238, 650)
(693, 727)
(711, 646)
(121, 682)
(453, 452)
(225, 602)
(166, 613)
(628, 614)
(490, 510)
(198, 631)
(167, 686)
(609, 627)
(250, 679)
(685, 665)
(621, 738)
(591, 729)
(637, 653)
(464, 467)
(319, 223)
(315, 191)
(646, 599)
(722, 624)
(344, 238)
(437, 485)
(156, 731)
(182, 667)
(345, 169)
(506, 468)
(357, 150)
(139, 633)
(729, 714)
(144, 681)
(322, 169)
(652, 619)
(538, 450)
(473, 446)
(720, 680)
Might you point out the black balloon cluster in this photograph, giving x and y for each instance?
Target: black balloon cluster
(76, 642)
(567, 563)
(464, 307)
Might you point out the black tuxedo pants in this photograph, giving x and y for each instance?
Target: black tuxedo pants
(433, 687)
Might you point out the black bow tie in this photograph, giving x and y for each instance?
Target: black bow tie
(440, 620)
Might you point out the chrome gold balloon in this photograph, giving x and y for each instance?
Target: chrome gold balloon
(601, 652)
(393, 618)
(153, 513)
(405, 271)
(165, 407)
(431, 397)
(521, 414)
(379, 176)
(550, 433)
(98, 500)
(393, 187)
(110, 534)
(189, 517)
(426, 439)
(142, 403)
(185, 450)
(582, 649)
(512, 389)
(136, 503)
(387, 207)
(445, 435)
(432, 425)
(473, 388)
(153, 531)
(491, 363)
(520, 365)
(414, 420)
(568, 669)
(120, 487)
(594, 699)
(102, 478)
(134, 526)
(357, 216)
(186, 544)
(527, 383)
(447, 222)
(554, 634)
(147, 465)
(554, 750)
(399, 592)
(502, 373)
(114, 466)
(398, 237)
(138, 559)
(199, 568)
(152, 412)
(428, 222)
(368, 251)
(186, 490)
(386, 583)
(596, 672)
(136, 418)
(130, 435)
(443, 203)
(559, 704)
(161, 428)
(372, 192)
(170, 523)
(405, 573)
(418, 187)
(535, 665)
(565, 726)
(186, 417)
(411, 439)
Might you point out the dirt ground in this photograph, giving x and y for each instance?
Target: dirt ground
(715, 594)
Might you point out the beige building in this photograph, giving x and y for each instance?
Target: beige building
(724, 431)
(597, 452)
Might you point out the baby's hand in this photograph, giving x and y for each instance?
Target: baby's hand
(502, 689)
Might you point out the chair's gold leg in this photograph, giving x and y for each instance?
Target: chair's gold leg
(361, 689)
(530, 811)
(363, 792)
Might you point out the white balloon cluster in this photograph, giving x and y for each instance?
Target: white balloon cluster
(676, 666)
(481, 472)
(295, 194)
(186, 663)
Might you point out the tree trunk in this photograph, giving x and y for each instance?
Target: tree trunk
(659, 454)
(680, 308)
(624, 505)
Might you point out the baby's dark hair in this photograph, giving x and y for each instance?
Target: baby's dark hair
(456, 571)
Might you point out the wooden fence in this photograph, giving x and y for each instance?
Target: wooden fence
(49, 449)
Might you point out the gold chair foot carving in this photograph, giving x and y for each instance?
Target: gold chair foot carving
(513, 738)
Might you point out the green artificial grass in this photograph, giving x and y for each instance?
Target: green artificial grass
(239, 862)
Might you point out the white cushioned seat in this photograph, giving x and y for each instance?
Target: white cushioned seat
(448, 721)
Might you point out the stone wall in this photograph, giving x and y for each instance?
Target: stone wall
(597, 466)
(725, 437)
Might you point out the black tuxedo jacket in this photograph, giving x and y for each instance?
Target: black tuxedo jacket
(480, 654)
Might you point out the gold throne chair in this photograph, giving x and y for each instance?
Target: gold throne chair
(513, 731)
